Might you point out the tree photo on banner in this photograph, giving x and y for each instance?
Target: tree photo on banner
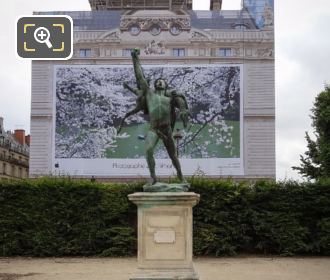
(91, 103)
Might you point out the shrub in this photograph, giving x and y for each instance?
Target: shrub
(60, 216)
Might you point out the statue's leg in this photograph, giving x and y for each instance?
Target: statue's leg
(151, 142)
(171, 150)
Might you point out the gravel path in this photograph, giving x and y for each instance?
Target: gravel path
(238, 268)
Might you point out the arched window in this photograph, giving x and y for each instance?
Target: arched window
(240, 26)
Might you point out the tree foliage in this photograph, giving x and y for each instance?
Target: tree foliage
(315, 164)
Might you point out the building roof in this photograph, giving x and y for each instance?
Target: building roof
(8, 141)
(110, 19)
(220, 20)
(140, 4)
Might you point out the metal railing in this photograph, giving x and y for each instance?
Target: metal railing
(139, 4)
(12, 147)
(15, 161)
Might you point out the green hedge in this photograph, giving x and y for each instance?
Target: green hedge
(58, 217)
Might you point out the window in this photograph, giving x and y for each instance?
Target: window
(85, 53)
(155, 29)
(127, 52)
(175, 30)
(134, 30)
(110, 52)
(240, 26)
(225, 52)
(202, 52)
(179, 52)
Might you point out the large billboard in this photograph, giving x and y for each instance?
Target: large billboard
(91, 102)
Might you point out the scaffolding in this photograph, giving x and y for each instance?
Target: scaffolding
(140, 4)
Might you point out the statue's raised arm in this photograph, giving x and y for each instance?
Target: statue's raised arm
(139, 75)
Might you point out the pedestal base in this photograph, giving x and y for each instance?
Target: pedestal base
(165, 235)
(173, 274)
(165, 187)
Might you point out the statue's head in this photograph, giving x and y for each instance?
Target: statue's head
(160, 83)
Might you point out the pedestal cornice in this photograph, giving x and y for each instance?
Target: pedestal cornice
(166, 198)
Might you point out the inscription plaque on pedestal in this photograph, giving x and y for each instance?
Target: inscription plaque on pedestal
(164, 236)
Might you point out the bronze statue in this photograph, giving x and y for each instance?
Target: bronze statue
(160, 103)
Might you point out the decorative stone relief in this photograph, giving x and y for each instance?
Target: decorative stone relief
(266, 52)
(155, 47)
(198, 36)
(114, 36)
(236, 51)
(165, 23)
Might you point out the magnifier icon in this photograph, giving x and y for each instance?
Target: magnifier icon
(41, 35)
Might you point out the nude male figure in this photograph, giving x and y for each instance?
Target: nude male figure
(159, 103)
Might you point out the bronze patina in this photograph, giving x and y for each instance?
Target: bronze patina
(160, 103)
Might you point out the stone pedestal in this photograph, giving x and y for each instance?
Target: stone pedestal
(165, 235)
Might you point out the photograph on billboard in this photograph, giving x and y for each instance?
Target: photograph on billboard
(91, 103)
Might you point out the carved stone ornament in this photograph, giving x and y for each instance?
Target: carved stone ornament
(109, 37)
(236, 51)
(267, 52)
(165, 23)
(113, 35)
(155, 48)
(199, 36)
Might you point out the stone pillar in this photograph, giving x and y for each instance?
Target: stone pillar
(165, 235)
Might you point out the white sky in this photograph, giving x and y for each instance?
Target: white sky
(302, 67)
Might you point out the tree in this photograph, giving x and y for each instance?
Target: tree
(316, 162)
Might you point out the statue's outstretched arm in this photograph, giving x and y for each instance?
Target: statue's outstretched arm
(140, 79)
(134, 90)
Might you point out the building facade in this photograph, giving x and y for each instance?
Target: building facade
(14, 154)
(76, 104)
